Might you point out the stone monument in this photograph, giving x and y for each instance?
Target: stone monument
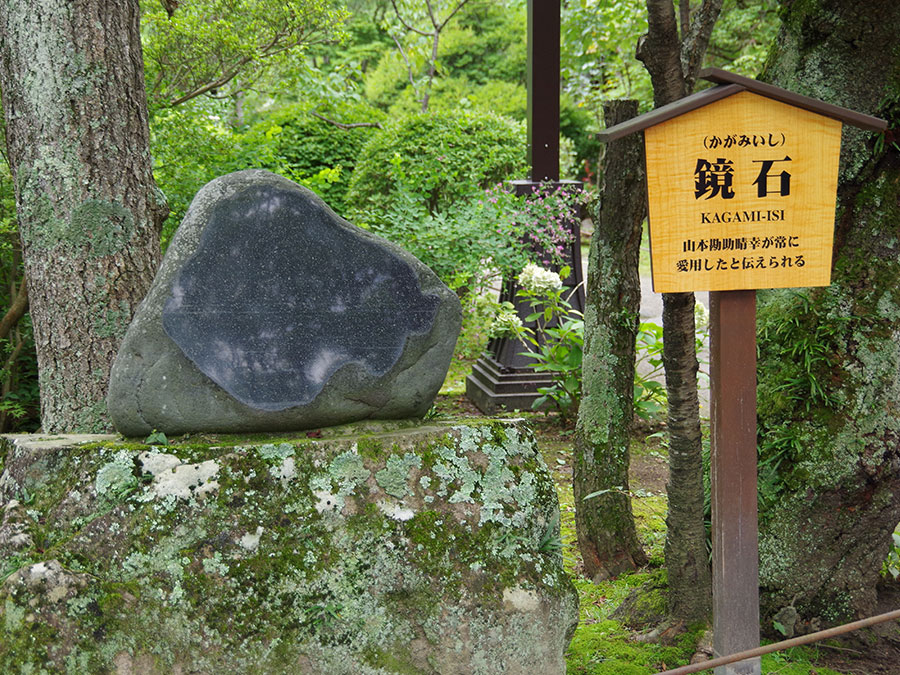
(272, 313)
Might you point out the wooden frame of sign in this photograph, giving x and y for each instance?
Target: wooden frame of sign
(741, 182)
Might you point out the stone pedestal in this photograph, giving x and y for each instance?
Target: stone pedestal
(364, 549)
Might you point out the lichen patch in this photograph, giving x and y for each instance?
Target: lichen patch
(186, 480)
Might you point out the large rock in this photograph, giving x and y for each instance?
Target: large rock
(380, 548)
(270, 313)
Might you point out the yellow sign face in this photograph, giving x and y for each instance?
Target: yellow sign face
(742, 196)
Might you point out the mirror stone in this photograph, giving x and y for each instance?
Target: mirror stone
(276, 299)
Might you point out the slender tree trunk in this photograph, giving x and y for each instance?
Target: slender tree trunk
(72, 81)
(673, 65)
(687, 560)
(605, 524)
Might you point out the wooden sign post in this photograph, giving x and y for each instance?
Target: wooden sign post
(742, 183)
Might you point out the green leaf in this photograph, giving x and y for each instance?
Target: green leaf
(157, 438)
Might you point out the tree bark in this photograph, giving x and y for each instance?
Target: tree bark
(605, 524)
(89, 212)
(687, 560)
(673, 67)
(829, 454)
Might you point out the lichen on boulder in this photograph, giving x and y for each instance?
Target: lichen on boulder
(379, 548)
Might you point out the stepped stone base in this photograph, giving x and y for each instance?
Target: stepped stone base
(369, 549)
(493, 387)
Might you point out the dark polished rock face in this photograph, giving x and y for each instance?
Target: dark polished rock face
(271, 313)
(275, 300)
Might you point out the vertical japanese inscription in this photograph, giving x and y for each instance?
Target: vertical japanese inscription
(742, 196)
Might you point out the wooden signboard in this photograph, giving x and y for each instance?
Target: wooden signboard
(742, 196)
(742, 180)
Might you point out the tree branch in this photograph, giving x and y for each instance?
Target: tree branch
(406, 25)
(684, 17)
(409, 70)
(15, 312)
(432, 68)
(694, 45)
(458, 7)
(344, 125)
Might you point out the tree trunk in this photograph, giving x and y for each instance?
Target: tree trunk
(829, 366)
(605, 524)
(673, 67)
(89, 212)
(687, 560)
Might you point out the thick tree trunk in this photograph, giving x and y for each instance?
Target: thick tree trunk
(673, 67)
(829, 367)
(605, 524)
(71, 76)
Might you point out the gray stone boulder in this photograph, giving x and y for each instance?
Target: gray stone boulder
(271, 313)
(379, 548)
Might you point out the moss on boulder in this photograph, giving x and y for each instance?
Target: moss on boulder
(377, 549)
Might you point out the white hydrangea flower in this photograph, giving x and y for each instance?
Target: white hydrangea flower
(506, 323)
(537, 280)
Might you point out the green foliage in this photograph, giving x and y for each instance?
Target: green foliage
(441, 156)
(649, 393)
(650, 396)
(19, 392)
(577, 123)
(597, 55)
(891, 567)
(218, 47)
(156, 438)
(295, 143)
(477, 319)
(190, 145)
(509, 99)
(471, 244)
(554, 336)
(743, 35)
(599, 38)
(801, 340)
(20, 403)
(487, 43)
(483, 42)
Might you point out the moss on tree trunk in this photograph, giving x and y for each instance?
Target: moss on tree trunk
(605, 524)
(89, 212)
(829, 367)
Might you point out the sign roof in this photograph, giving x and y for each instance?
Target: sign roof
(730, 84)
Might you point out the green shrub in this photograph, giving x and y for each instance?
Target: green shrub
(192, 145)
(485, 41)
(441, 156)
(488, 43)
(310, 150)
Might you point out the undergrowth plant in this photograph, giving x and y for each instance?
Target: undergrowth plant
(554, 336)
(483, 236)
(650, 396)
(804, 343)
